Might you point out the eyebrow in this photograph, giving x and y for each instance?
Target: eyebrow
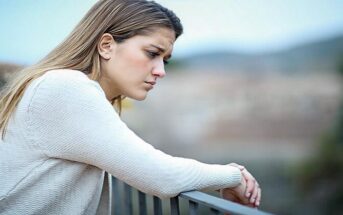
(161, 50)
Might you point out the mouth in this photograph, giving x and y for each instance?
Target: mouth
(150, 82)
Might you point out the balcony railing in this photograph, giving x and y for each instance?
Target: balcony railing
(198, 203)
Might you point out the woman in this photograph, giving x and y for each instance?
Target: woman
(61, 136)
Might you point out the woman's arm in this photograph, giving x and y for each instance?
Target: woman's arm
(70, 118)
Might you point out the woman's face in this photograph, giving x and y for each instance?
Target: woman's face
(132, 68)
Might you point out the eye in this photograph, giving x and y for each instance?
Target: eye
(152, 54)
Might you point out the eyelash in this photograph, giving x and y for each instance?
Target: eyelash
(152, 55)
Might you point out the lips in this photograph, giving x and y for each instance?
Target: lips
(151, 82)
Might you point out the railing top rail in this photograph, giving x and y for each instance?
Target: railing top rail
(220, 204)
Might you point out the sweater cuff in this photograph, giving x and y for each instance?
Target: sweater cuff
(226, 177)
(236, 175)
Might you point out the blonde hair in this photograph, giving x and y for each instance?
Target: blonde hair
(121, 18)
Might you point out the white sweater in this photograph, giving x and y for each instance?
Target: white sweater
(62, 138)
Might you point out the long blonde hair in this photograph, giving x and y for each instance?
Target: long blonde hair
(121, 18)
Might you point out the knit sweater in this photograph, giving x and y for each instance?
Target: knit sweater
(65, 140)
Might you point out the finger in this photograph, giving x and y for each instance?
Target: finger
(242, 168)
(253, 197)
(247, 174)
(249, 189)
(259, 196)
(250, 183)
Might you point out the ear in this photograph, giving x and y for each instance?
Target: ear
(106, 45)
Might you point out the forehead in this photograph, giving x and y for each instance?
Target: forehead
(162, 37)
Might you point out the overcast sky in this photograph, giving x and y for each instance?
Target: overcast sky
(31, 28)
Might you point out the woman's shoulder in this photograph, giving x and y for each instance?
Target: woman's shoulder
(66, 79)
(66, 75)
(64, 83)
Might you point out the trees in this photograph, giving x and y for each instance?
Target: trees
(320, 179)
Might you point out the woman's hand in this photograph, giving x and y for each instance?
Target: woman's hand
(247, 193)
(236, 194)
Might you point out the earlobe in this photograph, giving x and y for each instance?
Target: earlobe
(105, 46)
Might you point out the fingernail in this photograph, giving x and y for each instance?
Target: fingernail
(252, 200)
(258, 203)
(247, 195)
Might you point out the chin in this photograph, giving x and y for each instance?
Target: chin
(138, 97)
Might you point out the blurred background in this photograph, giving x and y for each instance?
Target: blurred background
(254, 82)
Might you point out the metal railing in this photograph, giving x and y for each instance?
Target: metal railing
(198, 203)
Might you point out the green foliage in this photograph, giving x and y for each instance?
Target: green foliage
(340, 65)
(327, 164)
(321, 177)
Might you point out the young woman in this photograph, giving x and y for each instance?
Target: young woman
(62, 138)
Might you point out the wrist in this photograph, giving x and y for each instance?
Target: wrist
(240, 167)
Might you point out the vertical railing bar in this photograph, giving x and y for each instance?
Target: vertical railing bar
(157, 206)
(128, 199)
(116, 206)
(193, 207)
(214, 211)
(142, 203)
(174, 206)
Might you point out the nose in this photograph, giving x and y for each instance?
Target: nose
(158, 70)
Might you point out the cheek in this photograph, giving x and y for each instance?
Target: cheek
(136, 59)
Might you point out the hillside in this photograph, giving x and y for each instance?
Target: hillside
(317, 56)
(6, 71)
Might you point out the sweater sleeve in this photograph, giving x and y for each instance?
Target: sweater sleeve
(70, 118)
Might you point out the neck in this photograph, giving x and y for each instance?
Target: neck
(106, 86)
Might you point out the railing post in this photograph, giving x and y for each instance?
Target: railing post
(116, 202)
(142, 203)
(128, 199)
(214, 211)
(157, 206)
(193, 207)
(174, 206)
